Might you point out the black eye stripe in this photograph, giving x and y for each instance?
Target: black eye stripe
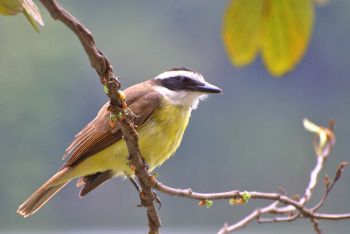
(179, 83)
(186, 80)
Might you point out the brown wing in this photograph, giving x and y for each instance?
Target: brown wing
(142, 99)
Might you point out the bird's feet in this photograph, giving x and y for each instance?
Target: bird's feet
(145, 165)
(157, 199)
(133, 167)
(147, 201)
(135, 184)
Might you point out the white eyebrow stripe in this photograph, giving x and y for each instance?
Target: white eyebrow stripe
(169, 74)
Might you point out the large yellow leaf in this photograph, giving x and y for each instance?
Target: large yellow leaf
(28, 7)
(286, 30)
(241, 28)
(280, 29)
(10, 7)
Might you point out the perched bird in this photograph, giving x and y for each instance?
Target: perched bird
(162, 107)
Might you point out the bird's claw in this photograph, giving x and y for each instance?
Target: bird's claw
(145, 165)
(145, 202)
(157, 199)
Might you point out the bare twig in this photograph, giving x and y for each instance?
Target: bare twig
(248, 219)
(316, 226)
(279, 219)
(273, 209)
(107, 78)
(292, 209)
(329, 185)
(323, 144)
(322, 153)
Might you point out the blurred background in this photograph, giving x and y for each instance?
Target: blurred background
(250, 138)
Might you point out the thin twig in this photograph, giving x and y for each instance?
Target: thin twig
(239, 225)
(188, 193)
(313, 179)
(279, 219)
(330, 185)
(323, 144)
(248, 219)
(316, 226)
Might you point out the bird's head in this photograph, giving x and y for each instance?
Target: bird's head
(184, 87)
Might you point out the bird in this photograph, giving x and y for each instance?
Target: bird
(162, 107)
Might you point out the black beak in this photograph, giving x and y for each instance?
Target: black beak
(206, 88)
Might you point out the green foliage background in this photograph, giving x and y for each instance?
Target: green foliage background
(249, 138)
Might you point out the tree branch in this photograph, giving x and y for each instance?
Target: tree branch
(117, 105)
(97, 60)
(323, 144)
(291, 208)
(287, 207)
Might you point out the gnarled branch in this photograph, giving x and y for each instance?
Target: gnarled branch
(105, 71)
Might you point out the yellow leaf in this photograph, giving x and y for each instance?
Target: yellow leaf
(32, 13)
(241, 30)
(287, 26)
(325, 137)
(280, 29)
(28, 7)
(10, 7)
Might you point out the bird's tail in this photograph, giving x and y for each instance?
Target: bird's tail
(44, 193)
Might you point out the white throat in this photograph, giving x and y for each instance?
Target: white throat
(186, 99)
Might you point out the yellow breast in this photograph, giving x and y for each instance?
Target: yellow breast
(159, 137)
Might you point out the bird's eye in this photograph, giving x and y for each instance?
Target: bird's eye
(185, 79)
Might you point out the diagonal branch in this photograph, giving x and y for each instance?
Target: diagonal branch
(97, 60)
(330, 185)
(105, 71)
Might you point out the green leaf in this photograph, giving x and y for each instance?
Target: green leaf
(246, 196)
(105, 88)
(208, 203)
(240, 200)
(112, 117)
(232, 201)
